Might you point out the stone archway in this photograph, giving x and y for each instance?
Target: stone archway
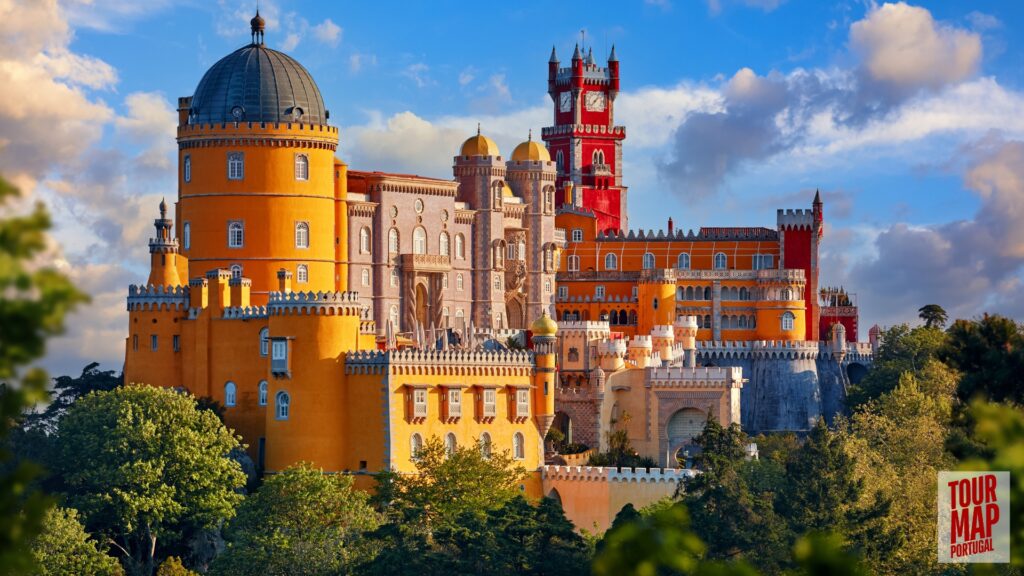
(554, 495)
(516, 312)
(683, 427)
(563, 423)
(856, 372)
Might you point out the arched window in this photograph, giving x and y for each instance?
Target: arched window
(364, 240)
(707, 293)
(683, 261)
(450, 444)
(236, 166)
(301, 235)
(689, 293)
(301, 167)
(459, 283)
(611, 261)
(419, 240)
(393, 240)
(186, 169)
(236, 234)
(743, 322)
(443, 244)
(415, 446)
(282, 405)
(786, 295)
(788, 319)
(549, 200)
(577, 235)
(721, 262)
(444, 281)
(560, 161)
(485, 445)
(459, 313)
(263, 392)
(680, 293)
(744, 293)
(393, 316)
(497, 192)
(394, 277)
(707, 321)
(230, 390)
(518, 446)
(186, 232)
(236, 271)
(460, 247)
(648, 261)
(302, 274)
(264, 341)
(632, 317)
(365, 277)
(574, 263)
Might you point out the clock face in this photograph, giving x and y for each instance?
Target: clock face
(566, 101)
(595, 101)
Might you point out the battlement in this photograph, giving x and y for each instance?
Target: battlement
(612, 474)
(758, 349)
(315, 303)
(706, 233)
(583, 326)
(611, 348)
(238, 128)
(615, 298)
(701, 376)
(795, 219)
(662, 331)
(580, 129)
(367, 327)
(641, 341)
(157, 297)
(244, 312)
(412, 361)
(852, 351)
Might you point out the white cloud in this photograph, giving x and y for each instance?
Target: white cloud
(418, 74)
(467, 76)
(327, 32)
(982, 21)
(357, 61)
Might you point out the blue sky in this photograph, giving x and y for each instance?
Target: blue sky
(908, 117)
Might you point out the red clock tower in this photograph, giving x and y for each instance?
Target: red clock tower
(585, 143)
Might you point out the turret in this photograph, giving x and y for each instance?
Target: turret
(875, 338)
(686, 335)
(163, 252)
(577, 68)
(545, 332)
(662, 341)
(611, 355)
(640, 350)
(552, 71)
(613, 69)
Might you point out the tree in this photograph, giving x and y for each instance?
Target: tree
(989, 352)
(140, 461)
(299, 517)
(902, 349)
(35, 299)
(934, 316)
(172, 566)
(67, 390)
(64, 548)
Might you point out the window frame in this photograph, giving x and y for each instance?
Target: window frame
(577, 235)
(563, 292)
(302, 167)
(186, 235)
(650, 261)
(419, 240)
(573, 263)
(282, 410)
(265, 342)
(522, 403)
(788, 321)
(233, 226)
(186, 168)
(365, 240)
(519, 446)
(611, 261)
(679, 261)
(302, 274)
(420, 406)
(599, 292)
(725, 261)
(236, 158)
(302, 235)
(489, 406)
(263, 393)
(230, 394)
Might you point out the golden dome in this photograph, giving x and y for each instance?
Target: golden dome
(507, 192)
(479, 145)
(544, 326)
(531, 151)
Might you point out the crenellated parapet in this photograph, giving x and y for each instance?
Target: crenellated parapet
(707, 233)
(798, 219)
(609, 299)
(613, 474)
(589, 329)
(413, 362)
(757, 349)
(611, 348)
(852, 352)
(315, 303)
(270, 134)
(157, 297)
(245, 312)
(696, 377)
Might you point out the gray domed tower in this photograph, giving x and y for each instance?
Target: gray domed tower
(256, 186)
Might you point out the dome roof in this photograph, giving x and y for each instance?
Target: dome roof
(479, 145)
(506, 191)
(544, 326)
(257, 84)
(531, 150)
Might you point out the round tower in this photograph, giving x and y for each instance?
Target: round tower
(256, 172)
(656, 300)
(611, 354)
(545, 333)
(163, 252)
(640, 350)
(662, 341)
(686, 334)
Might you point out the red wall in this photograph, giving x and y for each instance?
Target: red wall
(798, 255)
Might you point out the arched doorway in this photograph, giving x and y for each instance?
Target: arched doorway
(683, 427)
(554, 495)
(563, 424)
(516, 313)
(856, 372)
(422, 304)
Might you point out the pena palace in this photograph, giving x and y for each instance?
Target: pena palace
(343, 317)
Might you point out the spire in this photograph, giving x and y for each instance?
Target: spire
(477, 128)
(612, 57)
(590, 56)
(817, 197)
(163, 209)
(554, 57)
(576, 54)
(529, 138)
(258, 24)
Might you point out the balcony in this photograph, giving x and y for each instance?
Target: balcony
(425, 263)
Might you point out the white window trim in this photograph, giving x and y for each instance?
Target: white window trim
(240, 156)
(300, 225)
(264, 392)
(265, 342)
(187, 168)
(230, 394)
(302, 274)
(490, 405)
(577, 235)
(419, 403)
(186, 232)
(286, 405)
(298, 176)
(241, 227)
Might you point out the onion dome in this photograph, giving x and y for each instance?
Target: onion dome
(257, 84)
(544, 326)
(531, 151)
(479, 145)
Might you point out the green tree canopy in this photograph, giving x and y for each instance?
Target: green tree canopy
(902, 349)
(302, 519)
(139, 461)
(989, 352)
(64, 548)
(933, 315)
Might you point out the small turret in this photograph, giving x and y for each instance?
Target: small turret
(686, 335)
(545, 331)
(163, 251)
(258, 25)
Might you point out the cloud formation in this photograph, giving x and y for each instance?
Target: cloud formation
(327, 32)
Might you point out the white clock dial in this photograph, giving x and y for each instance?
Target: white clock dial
(595, 101)
(566, 101)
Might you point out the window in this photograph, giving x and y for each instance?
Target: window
(153, 342)
(459, 313)
(454, 402)
(419, 403)
(549, 201)
(365, 277)
(393, 240)
(559, 161)
(563, 292)
(418, 206)
(635, 292)
(485, 445)
(460, 247)
(683, 261)
(236, 271)
(301, 167)
(419, 240)
(302, 235)
(547, 286)
(763, 262)
(788, 320)
(521, 248)
(444, 281)
(176, 343)
(135, 342)
(264, 341)
(490, 402)
(611, 262)
(229, 394)
(721, 261)
(186, 232)
(522, 403)
(186, 169)
(459, 284)
(364, 240)
(279, 350)
(415, 446)
(443, 244)
(302, 274)
(236, 234)
(518, 446)
(263, 388)
(445, 312)
(577, 235)
(394, 277)
(450, 444)
(574, 263)
(648, 261)
(282, 402)
(598, 157)
(393, 316)
(497, 282)
(598, 292)
(236, 166)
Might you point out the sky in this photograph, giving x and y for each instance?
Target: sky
(909, 117)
